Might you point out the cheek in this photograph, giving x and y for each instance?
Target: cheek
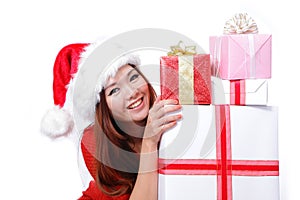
(114, 104)
(110, 103)
(144, 88)
(147, 92)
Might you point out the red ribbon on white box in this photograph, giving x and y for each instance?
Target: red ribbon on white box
(238, 92)
(224, 167)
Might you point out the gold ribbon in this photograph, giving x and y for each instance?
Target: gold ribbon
(186, 79)
(180, 49)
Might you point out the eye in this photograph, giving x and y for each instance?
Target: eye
(134, 77)
(113, 91)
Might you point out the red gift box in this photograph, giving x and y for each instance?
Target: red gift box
(186, 78)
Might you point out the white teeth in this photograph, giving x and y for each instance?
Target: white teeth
(136, 104)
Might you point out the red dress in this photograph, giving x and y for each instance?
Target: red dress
(88, 149)
(93, 193)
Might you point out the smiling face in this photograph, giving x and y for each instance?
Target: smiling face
(127, 95)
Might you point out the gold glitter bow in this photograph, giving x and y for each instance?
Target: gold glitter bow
(180, 49)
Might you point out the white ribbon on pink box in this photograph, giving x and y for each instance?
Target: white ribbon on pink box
(241, 56)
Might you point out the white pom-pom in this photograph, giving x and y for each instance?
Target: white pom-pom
(57, 122)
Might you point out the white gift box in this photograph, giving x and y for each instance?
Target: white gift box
(239, 92)
(221, 152)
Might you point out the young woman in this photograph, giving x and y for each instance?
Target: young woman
(129, 123)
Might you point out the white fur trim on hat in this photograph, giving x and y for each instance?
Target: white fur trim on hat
(111, 70)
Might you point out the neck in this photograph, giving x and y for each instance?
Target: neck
(134, 129)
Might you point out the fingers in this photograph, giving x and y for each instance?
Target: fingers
(158, 98)
(163, 105)
(169, 118)
(171, 108)
(168, 126)
(161, 118)
(168, 102)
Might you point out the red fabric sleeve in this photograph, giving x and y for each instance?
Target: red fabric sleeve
(93, 193)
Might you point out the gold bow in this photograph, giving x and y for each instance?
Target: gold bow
(180, 49)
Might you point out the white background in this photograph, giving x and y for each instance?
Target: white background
(32, 32)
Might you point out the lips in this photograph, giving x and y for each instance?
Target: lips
(135, 104)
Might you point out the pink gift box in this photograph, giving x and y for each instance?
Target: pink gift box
(244, 56)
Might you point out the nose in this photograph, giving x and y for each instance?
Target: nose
(131, 91)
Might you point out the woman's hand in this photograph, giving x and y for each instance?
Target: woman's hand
(160, 120)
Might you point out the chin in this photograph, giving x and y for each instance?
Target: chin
(141, 122)
(140, 118)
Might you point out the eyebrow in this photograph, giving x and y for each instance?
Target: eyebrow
(128, 74)
(114, 83)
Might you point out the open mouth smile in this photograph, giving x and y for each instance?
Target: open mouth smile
(135, 104)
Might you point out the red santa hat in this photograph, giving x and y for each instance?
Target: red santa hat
(59, 121)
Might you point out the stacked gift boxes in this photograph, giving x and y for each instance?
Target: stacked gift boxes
(225, 147)
(241, 65)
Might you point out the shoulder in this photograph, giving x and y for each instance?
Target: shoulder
(94, 193)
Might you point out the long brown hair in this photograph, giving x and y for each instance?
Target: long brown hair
(116, 162)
